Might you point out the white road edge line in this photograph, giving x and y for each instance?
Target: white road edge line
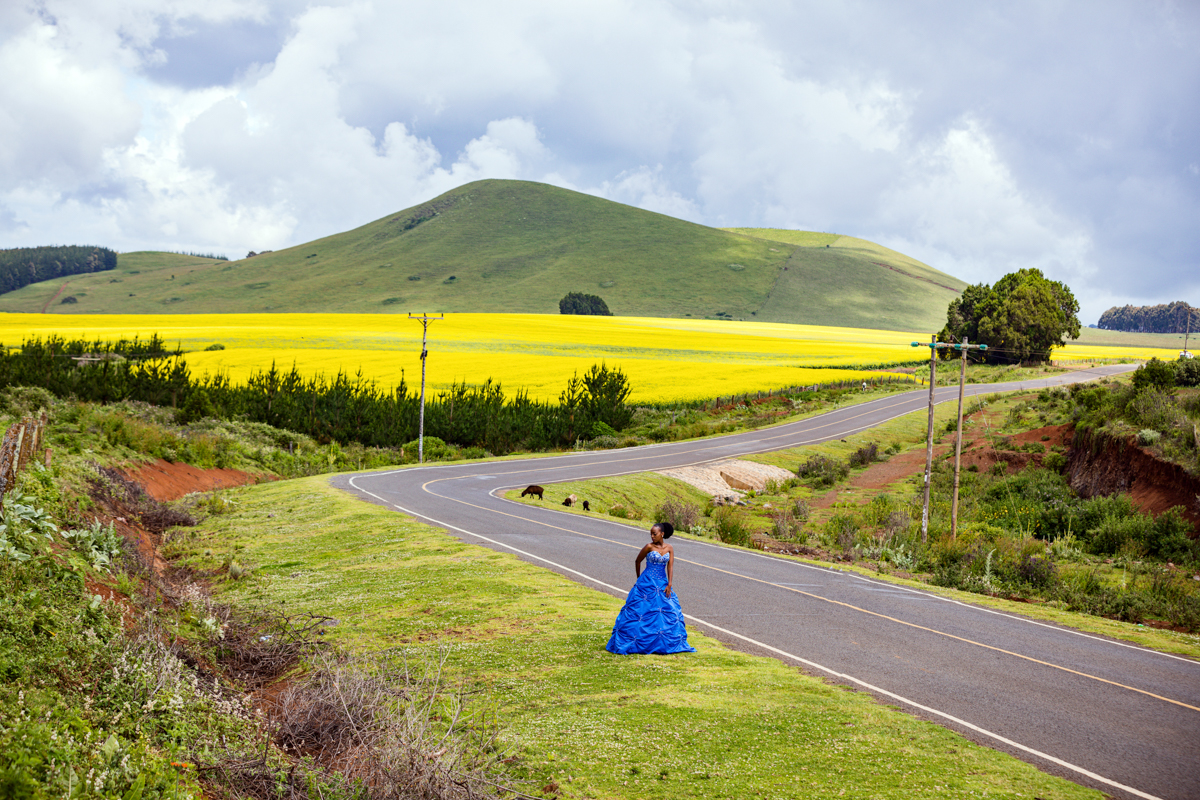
(812, 664)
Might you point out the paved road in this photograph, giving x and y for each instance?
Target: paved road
(1105, 714)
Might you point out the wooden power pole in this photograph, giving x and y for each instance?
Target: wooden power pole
(934, 345)
(424, 319)
(962, 379)
(933, 348)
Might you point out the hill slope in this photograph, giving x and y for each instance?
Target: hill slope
(515, 246)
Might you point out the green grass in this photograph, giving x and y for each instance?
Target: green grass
(584, 723)
(514, 246)
(641, 495)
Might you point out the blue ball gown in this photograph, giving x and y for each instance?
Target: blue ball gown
(650, 622)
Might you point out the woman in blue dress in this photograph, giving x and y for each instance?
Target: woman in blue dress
(651, 620)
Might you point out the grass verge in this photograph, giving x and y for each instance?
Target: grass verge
(581, 722)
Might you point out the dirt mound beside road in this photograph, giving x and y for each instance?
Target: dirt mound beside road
(164, 481)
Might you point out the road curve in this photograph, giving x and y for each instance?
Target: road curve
(1105, 714)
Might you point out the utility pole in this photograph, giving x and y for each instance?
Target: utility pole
(1188, 332)
(933, 348)
(424, 319)
(962, 379)
(934, 345)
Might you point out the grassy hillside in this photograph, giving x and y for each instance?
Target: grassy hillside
(849, 282)
(514, 246)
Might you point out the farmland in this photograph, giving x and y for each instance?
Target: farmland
(667, 360)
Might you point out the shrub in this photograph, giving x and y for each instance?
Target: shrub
(1187, 372)
(1154, 374)
(842, 530)
(580, 303)
(822, 470)
(681, 514)
(1113, 534)
(864, 455)
(1056, 462)
(786, 525)
(621, 512)
(731, 526)
(1168, 538)
(601, 428)
(1037, 572)
(1147, 437)
(801, 510)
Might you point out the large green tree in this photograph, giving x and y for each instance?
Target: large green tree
(1020, 318)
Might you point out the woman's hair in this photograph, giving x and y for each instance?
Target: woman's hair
(667, 528)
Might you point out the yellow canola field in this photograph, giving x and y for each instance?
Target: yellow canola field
(665, 359)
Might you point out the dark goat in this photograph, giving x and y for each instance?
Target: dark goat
(533, 490)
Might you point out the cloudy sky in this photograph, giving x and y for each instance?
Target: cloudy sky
(978, 137)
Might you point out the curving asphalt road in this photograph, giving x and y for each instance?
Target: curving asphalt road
(1105, 714)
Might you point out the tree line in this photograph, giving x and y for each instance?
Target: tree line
(1165, 318)
(22, 266)
(344, 408)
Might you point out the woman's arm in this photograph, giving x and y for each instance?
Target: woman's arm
(670, 569)
(637, 565)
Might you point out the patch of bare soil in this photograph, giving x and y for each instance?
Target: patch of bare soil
(1107, 465)
(977, 452)
(164, 481)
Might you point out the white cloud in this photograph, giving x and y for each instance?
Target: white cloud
(959, 199)
(979, 148)
(647, 188)
(57, 114)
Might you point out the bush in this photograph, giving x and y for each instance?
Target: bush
(786, 525)
(1036, 572)
(1114, 534)
(822, 470)
(601, 428)
(842, 530)
(1055, 462)
(1154, 374)
(579, 303)
(864, 455)
(1187, 372)
(1147, 437)
(1168, 539)
(681, 514)
(731, 526)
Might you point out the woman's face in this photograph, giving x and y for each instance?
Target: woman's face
(656, 535)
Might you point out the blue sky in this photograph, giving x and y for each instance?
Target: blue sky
(980, 138)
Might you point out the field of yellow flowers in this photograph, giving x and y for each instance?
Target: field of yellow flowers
(666, 359)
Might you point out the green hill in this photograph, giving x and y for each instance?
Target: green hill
(515, 246)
